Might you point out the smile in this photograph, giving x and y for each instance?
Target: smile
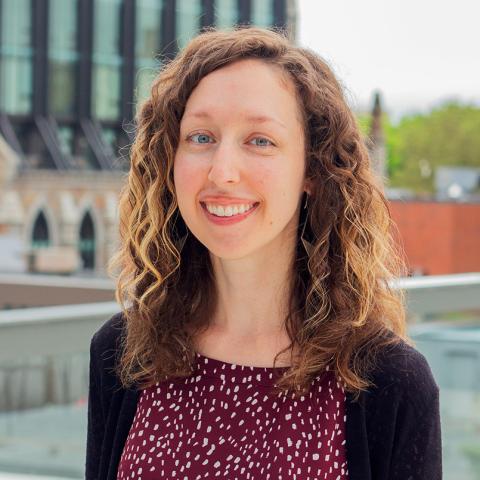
(228, 214)
(228, 210)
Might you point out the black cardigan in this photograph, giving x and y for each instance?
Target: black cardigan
(392, 432)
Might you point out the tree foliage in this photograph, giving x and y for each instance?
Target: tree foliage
(448, 135)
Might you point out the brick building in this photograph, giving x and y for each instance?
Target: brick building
(438, 237)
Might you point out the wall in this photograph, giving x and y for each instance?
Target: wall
(439, 237)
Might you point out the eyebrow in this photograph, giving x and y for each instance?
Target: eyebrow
(250, 118)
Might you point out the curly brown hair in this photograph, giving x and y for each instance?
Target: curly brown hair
(342, 307)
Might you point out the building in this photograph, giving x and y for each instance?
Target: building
(453, 182)
(71, 75)
(438, 237)
(376, 140)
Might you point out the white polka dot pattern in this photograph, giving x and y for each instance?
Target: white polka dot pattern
(220, 423)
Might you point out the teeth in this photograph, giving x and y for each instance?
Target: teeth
(228, 211)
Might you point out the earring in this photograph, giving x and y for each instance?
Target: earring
(306, 244)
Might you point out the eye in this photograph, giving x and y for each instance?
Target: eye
(262, 142)
(201, 138)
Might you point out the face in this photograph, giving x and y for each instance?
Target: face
(239, 170)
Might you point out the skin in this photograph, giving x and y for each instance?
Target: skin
(222, 151)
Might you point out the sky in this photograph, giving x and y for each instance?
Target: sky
(417, 53)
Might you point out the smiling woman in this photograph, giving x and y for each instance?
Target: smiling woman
(259, 336)
(245, 158)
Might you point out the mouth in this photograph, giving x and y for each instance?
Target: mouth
(226, 215)
(228, 210)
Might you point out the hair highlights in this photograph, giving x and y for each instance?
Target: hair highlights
(342, 309)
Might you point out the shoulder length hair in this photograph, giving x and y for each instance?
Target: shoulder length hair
(342, 309)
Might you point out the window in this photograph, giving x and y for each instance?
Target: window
(262, 13)
(63, 56)
(148, 28)
(110, 137)
(15, 57)
(106, 59)
(187, 19)
(66, 139)
(86, 242)
(147, 45)
(40, 233)
(226, 13)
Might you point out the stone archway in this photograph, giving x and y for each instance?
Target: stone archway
(87, 242)
(40, 231)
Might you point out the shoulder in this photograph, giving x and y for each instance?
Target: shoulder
(106, 341)
(403, 374)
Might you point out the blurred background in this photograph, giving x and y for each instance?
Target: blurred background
(72, 73)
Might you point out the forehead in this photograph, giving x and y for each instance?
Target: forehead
(250, 88)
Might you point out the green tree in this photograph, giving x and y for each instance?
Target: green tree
(448, 135)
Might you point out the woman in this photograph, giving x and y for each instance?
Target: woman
(258, 336)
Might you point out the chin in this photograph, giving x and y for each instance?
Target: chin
(241, 252)
(229, 254)
(228, 246)
(225, 250)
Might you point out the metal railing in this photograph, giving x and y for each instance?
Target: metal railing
(44, 375)
(68, 328)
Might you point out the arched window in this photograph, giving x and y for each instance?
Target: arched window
(40, 235)
(87, 242)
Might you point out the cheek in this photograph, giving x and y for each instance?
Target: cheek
(282, 178)
(267, 174)
(186, 178)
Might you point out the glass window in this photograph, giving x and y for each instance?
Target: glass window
(15, 84)
(107, 27)
(262, 13)
(187, 18)
(86, 243)
(40, 234)
(148, 28)
(15, 56)
(63, 56)
(144, 79)
(106, 92)
(62, 35)
(16, 23)
(110, 137)
(61, 87)
(66, 139)
(147, 45)
(107, 61)
(84, 157)
(226, 13)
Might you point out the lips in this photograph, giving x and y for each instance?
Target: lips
(228, 210)
(229, 220)
(219, 200)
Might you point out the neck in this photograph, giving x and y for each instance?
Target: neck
(253, 293)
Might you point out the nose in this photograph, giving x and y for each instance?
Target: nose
(224, 167)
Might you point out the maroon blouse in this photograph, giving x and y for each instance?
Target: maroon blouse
(220, 423)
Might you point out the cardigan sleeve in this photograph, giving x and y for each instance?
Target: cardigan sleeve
(95, 421)
(402, 415)
(103, 383)
(417, 453)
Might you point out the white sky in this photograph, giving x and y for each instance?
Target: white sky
(416, 52)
